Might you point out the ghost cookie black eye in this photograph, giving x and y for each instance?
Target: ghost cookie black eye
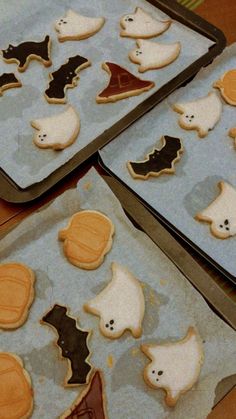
(129, 19)
(160, 372)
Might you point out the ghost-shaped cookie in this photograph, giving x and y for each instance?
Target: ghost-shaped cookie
(201, 114)
(120, 305)
(221, 213)
(174, 366)
(75, 26)
(152, 55)
(142, 25)
(57, 131)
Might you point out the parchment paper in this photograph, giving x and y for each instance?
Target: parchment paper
(172, 305)
(205, 162)
(26, 20)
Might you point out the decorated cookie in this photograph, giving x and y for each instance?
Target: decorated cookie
(58, 131)
(87, 239)
(227, 86)
(232, 134)
(16, 294)
(64, 78)
(221, 214)
(174, 366)
(16, 394)
(75, 26)
(73, 344)
(142, 25)
(23, 53)
(120, 305)
(159, 160)
(122, 84)
(152, 55)
(90, 403)
(201, 114)
(8, 81)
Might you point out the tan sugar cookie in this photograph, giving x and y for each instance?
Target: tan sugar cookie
(227, 86)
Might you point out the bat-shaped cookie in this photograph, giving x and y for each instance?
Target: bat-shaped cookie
(65, 77)
(73, 344)
(8, 81)
(159, 160)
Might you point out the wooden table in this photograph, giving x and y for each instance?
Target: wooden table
(222, 13)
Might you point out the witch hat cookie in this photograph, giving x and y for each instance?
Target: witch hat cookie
(221, 213)
(8, 81)
(174, 366)
(142, 25)
(122, 84)
(120, 305)
(75, 26)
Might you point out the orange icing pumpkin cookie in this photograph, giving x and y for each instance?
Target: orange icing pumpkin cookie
(16, 294)
(87, 239)
(16, 394)
(227, 86)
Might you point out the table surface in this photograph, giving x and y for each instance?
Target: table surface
(223, 15)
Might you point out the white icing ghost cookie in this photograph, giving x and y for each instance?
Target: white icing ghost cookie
(201, 114)
(120, 305)
(174, 367)
(221, 213)
(142, 25)
(152, 55)
(57, 131)
(75, 26)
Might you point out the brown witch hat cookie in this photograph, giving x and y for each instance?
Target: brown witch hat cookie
(91, 403)
(122, 84)
(16, 294)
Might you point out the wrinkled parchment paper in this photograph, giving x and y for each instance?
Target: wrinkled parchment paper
(204, 163)
(172, 305)
(29, 20)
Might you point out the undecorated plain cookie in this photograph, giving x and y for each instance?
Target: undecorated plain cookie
(75, 26)
(23, 53)
(232, 134)
(175, 366)
(221, 213)
(227, 86)
(87, 239)
(16, 294)
(16, 393)
(8, 81)
(201, 114)
(153, 55)
(142, 25)
(57, 131)
(120, 305)
(122, 84)
(158, 161)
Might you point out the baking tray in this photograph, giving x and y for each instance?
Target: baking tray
(11, 192)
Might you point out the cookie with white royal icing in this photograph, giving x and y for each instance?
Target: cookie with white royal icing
(153, 55)
(142, 25)
(120, 305)
(221, 212)
(75, 26)
(201, 114)
(57, 131)
(175, 366)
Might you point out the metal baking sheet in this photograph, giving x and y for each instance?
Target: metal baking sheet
(177, 198)
(20, 160)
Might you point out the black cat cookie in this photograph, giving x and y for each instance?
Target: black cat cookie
(23, 53)
(73, 344)
(65, 77)
(159, 160)
(8, 81)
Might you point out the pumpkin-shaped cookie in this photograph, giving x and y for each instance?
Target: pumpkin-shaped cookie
(16, 294)
(227, 86)
(87, 239)
(16, 394)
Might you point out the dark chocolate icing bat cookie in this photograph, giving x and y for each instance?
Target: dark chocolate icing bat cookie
(159, 160)
(73, 344)
(63, 78)
(23, 53)
(8, 81)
